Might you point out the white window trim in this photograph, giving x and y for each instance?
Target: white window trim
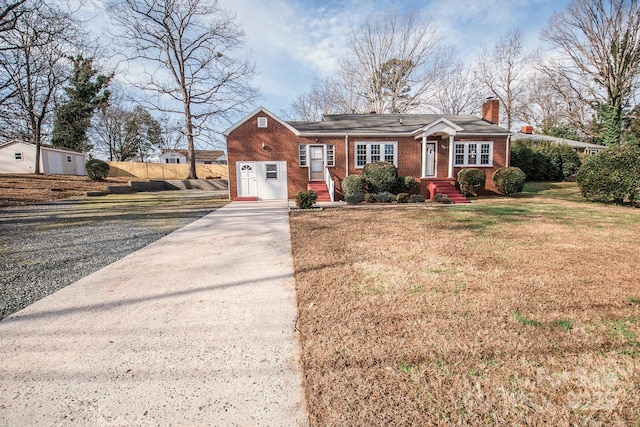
(262, 122)
(479, 153)
(324, 152)
(266, 172)
(18, 156)
(69, 159)
(369, 144)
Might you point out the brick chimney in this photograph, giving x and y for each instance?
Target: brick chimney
(491, 111)
(527, 129)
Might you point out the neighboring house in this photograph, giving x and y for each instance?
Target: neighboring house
(203, 157)
(581, 147)
(270, 158)
(20, 157)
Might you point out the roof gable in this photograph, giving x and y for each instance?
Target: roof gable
(441, 125)
(42, 147)
(257, 111)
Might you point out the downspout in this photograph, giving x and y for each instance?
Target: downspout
(346, 154)
(507, 157)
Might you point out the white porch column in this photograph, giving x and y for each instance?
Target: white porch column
(451, 153)
(424, 156)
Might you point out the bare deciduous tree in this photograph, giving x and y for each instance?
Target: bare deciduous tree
(10, 11)
(33, 68)
(598, 47)
(325, 97)
(394, 62)
(459, 92)
(188, 50)
(503, 70)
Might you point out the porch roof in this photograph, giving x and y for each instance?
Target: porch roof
(393, 124)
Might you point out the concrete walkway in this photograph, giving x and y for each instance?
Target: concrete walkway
(194, 329)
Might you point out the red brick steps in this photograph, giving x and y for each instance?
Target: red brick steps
(320, 187)
(448, 189)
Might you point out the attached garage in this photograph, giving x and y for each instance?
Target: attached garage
(262, 180)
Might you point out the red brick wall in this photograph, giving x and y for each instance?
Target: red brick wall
(281, 144)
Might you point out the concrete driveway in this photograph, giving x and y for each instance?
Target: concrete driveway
(197, 328)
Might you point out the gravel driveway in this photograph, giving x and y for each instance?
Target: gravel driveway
(46, 247)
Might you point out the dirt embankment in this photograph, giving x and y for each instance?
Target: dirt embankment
(24, 189)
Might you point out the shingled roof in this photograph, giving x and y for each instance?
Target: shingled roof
(388, 124)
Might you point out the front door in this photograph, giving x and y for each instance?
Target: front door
(430, 160)
(247, 180)
(316, 153)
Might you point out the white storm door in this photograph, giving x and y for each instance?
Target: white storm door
(316, 155)
(430, 159)
(247, 180)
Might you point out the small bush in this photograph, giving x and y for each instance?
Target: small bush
(370, 198)
(354, 198)
(97, 170)
(509, 180)
(471, 181)
(611, 176)
(402, 198)
(416, 198)
(442, 198)
(405, 184)
(380, 177)
(385, 197)
(305, 199)
(353, 184)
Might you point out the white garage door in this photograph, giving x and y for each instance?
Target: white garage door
(264, 180)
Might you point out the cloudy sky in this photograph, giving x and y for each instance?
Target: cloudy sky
(294, 41)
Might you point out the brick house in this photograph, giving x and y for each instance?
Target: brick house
(270, 158)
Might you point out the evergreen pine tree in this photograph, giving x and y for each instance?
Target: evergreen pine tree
(87, 91)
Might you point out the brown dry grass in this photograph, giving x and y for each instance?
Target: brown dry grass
(408, 315)
(22, 189)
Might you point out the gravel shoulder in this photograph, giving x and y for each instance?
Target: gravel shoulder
(46, 247)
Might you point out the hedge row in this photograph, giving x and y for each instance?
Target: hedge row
(545, 161)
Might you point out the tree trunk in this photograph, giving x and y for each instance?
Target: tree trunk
(190, 145)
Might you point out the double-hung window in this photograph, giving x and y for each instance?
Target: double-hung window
(376, 152)
(271, 171)
(478, 153)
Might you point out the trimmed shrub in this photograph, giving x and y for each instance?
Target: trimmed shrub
(385, 197)
(442, 198)
(97, 170)
(354, 198)
(471, 181)
(305, 199)
(353, 184)
(370, 198)
(509, 180)
(402, 198)
(380, 177)
(405, 184)
(611, 176)
(416, 198)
